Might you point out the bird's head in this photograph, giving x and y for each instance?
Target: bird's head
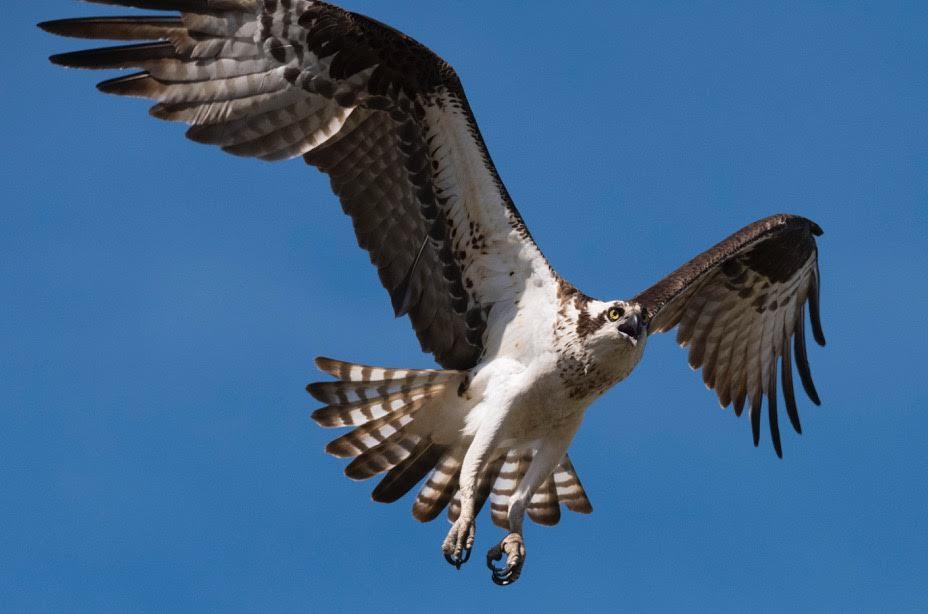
(611, 324)
(608, 339)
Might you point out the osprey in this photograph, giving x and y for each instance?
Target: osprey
(523, 352)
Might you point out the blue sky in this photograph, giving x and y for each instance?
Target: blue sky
(163, 302)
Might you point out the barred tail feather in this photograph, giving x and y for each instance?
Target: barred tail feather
(382, 404)
(364, 393)
(409, 472)
(440, 488)
(373, 410)
(510, 474)
(543, 507)
(372, 433)
(383, 456)
(484, 486)
(353, 372)
(569, 489)
(561, 487)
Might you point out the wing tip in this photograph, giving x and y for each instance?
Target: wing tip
(51, 27)
(790, 218)
(58, 59)
(138, 84)
(74, 27)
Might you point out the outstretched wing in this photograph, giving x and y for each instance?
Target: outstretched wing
(738, 305)
(381, 114)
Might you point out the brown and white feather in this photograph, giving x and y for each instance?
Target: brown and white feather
(737, 305)
(385, 117)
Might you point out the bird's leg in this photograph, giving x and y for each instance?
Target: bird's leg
(546, 459)
(460, 539)
(513, 545)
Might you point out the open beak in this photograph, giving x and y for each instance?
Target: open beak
(632, 327)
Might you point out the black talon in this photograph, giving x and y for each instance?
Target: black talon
(504, 577)
(457, 561)
(491, 558)
(454, 560)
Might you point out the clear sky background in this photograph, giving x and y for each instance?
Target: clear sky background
(161, 303)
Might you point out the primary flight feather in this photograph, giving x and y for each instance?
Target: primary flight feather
(523, 352)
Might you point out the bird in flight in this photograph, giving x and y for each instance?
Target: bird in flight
(523, 353)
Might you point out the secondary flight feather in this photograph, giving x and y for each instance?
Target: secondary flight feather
(522, 352)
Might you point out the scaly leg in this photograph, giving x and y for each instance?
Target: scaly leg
(460, 539)
(550, 452)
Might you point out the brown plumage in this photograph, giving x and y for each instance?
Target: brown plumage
(348, 94)
(737, 305)
(389, 123)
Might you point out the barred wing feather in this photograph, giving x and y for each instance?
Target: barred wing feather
(383, 116)
(738, 306)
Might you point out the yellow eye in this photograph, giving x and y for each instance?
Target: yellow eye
(615, 313)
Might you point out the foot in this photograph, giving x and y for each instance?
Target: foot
(460, 540)
(514, 548)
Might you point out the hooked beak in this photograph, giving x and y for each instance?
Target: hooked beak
(632, 327)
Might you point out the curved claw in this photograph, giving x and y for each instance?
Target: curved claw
(494, 554)
(457, 546)
(514, 548)
(458, 560)
(502, 576)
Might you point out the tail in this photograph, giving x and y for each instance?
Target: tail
(383, 404)
(501, 477)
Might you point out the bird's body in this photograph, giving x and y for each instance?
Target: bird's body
(523, 352)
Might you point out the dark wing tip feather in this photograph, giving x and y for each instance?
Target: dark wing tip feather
(775, 248)
(59, 59)
(138, 84)
(802, 362)
(60, 27)
(135, 27)
(174, 5)
(124, 56)
(772, 410)
(789, 395)
(754, 412)
(814, 314)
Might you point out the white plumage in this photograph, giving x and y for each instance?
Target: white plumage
(523, 353)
